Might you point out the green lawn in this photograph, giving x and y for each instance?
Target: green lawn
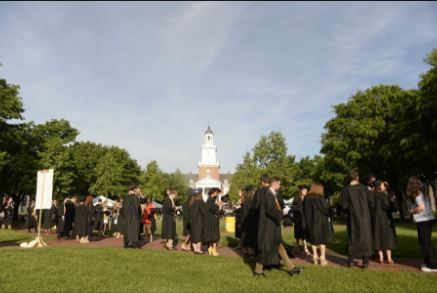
(120, 270)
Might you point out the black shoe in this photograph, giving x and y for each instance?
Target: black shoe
(365, 265)
(259, 275)
(295, 271)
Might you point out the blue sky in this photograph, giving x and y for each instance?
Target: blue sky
(149, 76)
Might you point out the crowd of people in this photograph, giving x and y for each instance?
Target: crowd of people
(77, 217)
(368, 209)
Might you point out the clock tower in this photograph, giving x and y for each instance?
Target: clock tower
(208, 165)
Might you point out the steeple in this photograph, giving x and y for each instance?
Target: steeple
(208, 164)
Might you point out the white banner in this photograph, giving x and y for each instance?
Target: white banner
(44, 189)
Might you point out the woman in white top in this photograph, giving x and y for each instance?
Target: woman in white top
(420, 208)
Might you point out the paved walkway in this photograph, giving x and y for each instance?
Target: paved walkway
(401, 265)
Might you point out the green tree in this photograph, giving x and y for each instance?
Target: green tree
(247, 173)
(154, 181)
(270, 148)
(356, 135)
(86, 156)
(177, 182)
(54, 137)
(269, 156)
(108, 175)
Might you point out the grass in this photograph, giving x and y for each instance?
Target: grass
(18, 236)
(55, 269)
(119, 270)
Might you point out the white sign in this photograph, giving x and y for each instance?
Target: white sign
(44, 189)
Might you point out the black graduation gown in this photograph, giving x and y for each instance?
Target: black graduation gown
(211, 221)
(249, 215)
(241, 215)
(30, 220)
(257, 201)
(196, 220)
(53, 216)
(357, 202)
(186, 218)
(69, 217)
(46, 218)
(168, 229)
(384, 232)
(91, 214)
(153, 221)
(298, 218)
(98, 217)
(269, 230)
(316, 218)
(81, 220)
(61, 219)
(131, 218)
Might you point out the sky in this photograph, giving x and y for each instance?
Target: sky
(149, 77)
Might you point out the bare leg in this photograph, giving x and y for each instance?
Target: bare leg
(315, 256)
(214, 249)
(323, 261)
(389, 259)
(381, 256)
(305, 247)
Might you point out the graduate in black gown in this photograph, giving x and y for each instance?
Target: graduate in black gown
(299, 220)
(319, 230)
(91, 215)
(270, 247)
(196, 219)
(168, 229)
(257, 201)
(131, 212)
(8, 209)
(61, 219)
(186, 243)
(98, 223)
(70, 207)
(248, 215)
(211, 221)
(81, 220)
(357, 202)
(31, 216)
(384, 232)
